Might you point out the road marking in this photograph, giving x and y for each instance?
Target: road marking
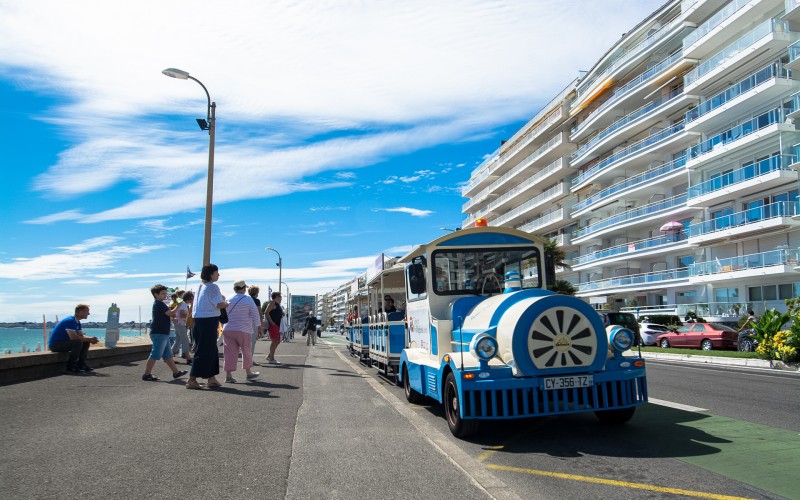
(677, 406)
(488, 453)
(613, 482)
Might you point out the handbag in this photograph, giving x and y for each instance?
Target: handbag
(223, 316)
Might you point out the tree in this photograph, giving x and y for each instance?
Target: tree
(563, 287)
(559, 257)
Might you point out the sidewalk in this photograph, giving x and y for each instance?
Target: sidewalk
(716, 360)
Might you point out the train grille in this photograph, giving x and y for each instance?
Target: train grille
(532, 401)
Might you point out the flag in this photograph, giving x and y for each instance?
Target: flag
(189, 273)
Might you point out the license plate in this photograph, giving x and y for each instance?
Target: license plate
(552, 383)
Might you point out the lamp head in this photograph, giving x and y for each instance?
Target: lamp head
(176, 73)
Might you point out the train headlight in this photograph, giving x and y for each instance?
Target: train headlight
(622, 339)
(483, 346)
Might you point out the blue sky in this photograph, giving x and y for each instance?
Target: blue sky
(344, 129)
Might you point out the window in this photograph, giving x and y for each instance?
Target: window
(685, 261)
(476, 271)
(726, 295)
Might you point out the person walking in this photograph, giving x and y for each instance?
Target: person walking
(188, 299)
(206, 313)
(237, 333)
(310, 328)
(273, 314)
(159, 336)
(67, 336)
(257, 334)
(181, 332)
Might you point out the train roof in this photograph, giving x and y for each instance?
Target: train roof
(477, 236)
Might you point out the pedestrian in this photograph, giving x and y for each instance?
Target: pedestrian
(243, 320)
(310, 329)
(173, 305)
(188, 299)
(273, 314)
(206, 313)
(67, 336)
(253, 292)
(181, 331)
(159, 336)
(284, 327)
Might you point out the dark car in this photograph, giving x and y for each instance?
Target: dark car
(705, 336)
(626, 320)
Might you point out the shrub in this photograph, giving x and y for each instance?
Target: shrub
(772, 341)
(662, 319)
(778, 347)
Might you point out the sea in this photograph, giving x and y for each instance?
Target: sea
(12, 340)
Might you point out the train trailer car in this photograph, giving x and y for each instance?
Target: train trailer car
(489, 341)
(387, 329)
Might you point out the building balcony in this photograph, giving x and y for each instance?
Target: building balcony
(745, 266)
(519, 213)
(794, 57)
(648, 178)
(635, 282)
(752, 93)
(638, 88)
(763, 175)
(733, 18)
(633, 250)
(648, 147)
(772, 217)
(753, 130)
(792, 11)
(521, 192)
(713, 312)
(772, 34)
(544, 223)
(645, 213)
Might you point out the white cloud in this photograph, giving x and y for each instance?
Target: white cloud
(406, 210)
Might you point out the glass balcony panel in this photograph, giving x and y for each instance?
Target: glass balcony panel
(630, 215)
(749, 172)
(635, 246)
(794, 51)
(761, 121)
(634, 279)
(744, 262)
(749, 216)
(537, 200)
(542, 221)
(714, 21)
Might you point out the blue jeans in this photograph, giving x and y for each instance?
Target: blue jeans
(161, 348)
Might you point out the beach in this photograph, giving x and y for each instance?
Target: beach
(14, 339)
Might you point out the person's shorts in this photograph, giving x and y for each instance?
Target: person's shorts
(274, 332)
(161, 348)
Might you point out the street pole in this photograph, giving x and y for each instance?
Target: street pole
(280, 267)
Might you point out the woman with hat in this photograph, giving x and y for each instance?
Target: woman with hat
(237, 334)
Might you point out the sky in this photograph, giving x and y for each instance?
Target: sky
(345, 129)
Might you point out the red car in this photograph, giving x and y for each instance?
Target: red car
(705, 336)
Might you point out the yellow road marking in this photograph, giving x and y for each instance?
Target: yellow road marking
(612, 482)
(488, 453)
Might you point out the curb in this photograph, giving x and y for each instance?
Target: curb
(715, 360)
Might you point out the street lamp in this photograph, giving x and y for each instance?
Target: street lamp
(205, 124)
(280, 267)
(288, 306)
(451, 230)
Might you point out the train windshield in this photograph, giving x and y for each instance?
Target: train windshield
(477, 271)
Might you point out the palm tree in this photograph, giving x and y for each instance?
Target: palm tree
(559, 258)
(563, 287)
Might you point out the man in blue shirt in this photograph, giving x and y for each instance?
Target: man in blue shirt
(67, 336)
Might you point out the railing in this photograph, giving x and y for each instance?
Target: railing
(634, 246)
(711, 309)
(791, 5)
(636, 147)
(646, 210)
(764, 75)
(522, 186)
(643, 178)
(634, 279)
(536, 200)
(759, 32)
(745, 262)
(625, 120)
(749, 172)
(713, 22)
(658, 68)
(761, 121)
(794, 51)
(749, 216)
(542, 221)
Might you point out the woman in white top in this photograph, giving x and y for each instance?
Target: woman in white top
(205, 312)
(243, 319)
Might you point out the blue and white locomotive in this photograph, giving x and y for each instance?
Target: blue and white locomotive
(487, 340)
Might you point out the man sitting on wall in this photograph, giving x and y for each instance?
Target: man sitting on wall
(67, 336)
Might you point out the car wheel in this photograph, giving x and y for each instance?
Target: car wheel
(615, 417)
(460, 427)
(664, 343)
(706, 345)
(412, 396)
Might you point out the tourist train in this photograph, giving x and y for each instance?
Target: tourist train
(479, 332)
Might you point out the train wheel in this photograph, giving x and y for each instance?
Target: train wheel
(615, 417)
(412, 396)
(460, 427)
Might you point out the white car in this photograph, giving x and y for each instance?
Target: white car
(650, 332)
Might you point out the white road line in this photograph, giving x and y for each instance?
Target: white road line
(677, 406)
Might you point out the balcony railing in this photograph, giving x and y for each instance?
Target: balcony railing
(542, 221)
(764, 75)
(643, 178)
(634, 148)
(761, 121)
(630, 215)
(635, 279)
(621, 91)
(745, 262)
(522, 186)
(536, 200)
(634, 246)
(625, 120)
(744, 174)
(759, 32)
(794, 51)
(714, 21)
(738, 219)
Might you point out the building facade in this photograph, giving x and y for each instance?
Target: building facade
(668, 172)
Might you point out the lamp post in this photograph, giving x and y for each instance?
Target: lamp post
(280, 267)
(288, 306)
(209, 123)
(451, 230)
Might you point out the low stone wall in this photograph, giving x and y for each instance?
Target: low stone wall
(32, 365)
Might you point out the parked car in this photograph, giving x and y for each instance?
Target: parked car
(650, 332)
(705, 336)
(627, 320)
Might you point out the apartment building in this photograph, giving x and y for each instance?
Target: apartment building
(668, 171)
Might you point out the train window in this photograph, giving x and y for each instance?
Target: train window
(481, 271)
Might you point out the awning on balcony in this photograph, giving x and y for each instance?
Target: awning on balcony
(672, 226)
